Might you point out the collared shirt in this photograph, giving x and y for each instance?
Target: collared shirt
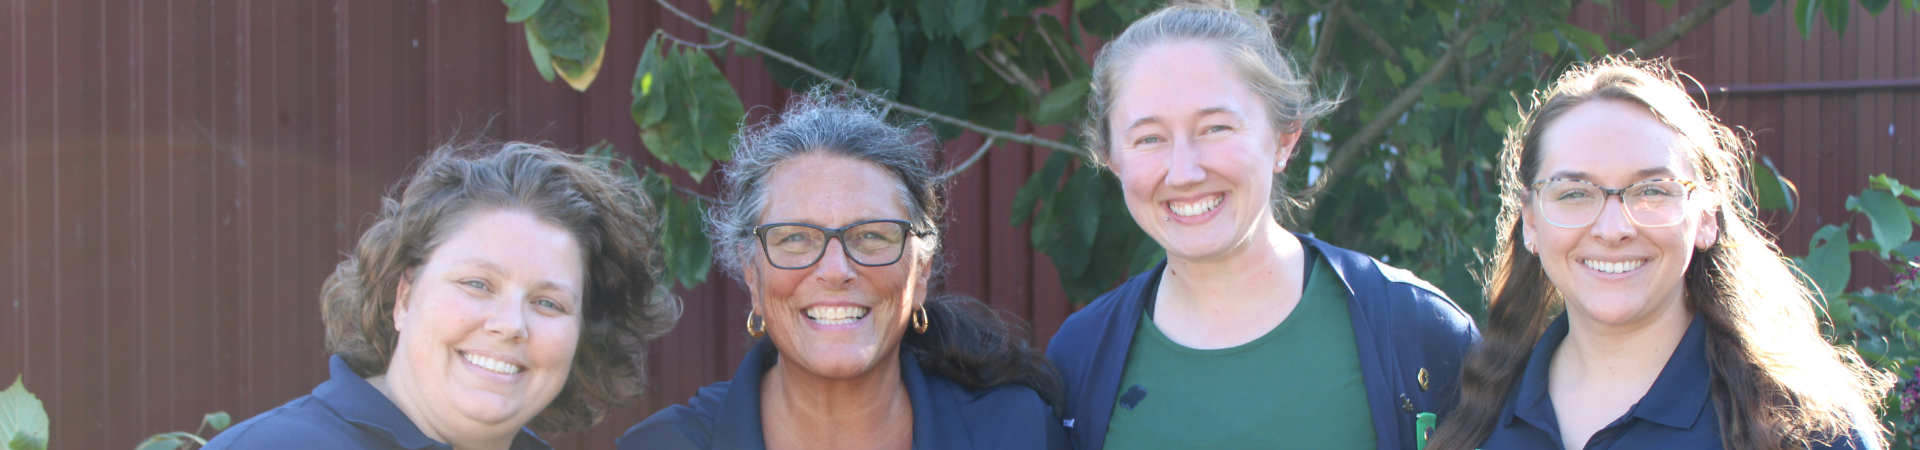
(726, 415)
(1675, 413)
(343, 412)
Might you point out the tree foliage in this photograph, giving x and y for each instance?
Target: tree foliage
(1403, 170)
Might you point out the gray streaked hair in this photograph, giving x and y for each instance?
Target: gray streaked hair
(825, 123)
(1243, 38)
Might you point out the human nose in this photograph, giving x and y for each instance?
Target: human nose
(1183, 165)
(508, 319)
(1613, 225)
(835, 268)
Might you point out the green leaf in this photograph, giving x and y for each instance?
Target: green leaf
(1891, 221)
(575, 34)
(1064, 103)
(519, 10)
(1826, 267)
(1760, 6)
(1837, 12)
(719, 109)
(1080, 200)
(541, 59)
(939, 84)
(1039, 185)
(219, 420)
(161, 442)
(835, 40)
(1804, 14)
(1770, 190)
(880, 65)
(25, 441)
(1874, 7)
(1592, 42)
(1546, 43)
(1393, 72)
(22, 415)
(649, 105)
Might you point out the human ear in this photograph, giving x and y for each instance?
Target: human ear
(1286, 141)
(1709, 231)
(400, 292)
(1527, 232)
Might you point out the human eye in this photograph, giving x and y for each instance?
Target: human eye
(1658, 190)
(1219, 128)
(549, 304)
(1147, 140)
(475, 284)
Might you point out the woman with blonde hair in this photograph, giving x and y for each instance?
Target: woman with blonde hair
(1626, 207)
(1248, 335)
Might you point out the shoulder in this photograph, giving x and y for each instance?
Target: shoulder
(305, 422)
(688, 426)
(1003, 417)
(1406, 295)
(1084, 327)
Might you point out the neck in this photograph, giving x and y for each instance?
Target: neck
(1269, 263)
(1624, 355)
(803, 410)
(461, 438)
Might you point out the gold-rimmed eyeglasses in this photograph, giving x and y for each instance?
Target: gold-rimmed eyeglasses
(1571, 203)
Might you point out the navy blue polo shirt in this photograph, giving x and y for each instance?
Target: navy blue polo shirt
(1676, 412)
(344, 412)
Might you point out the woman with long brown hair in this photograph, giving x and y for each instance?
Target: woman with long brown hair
(1683, 327)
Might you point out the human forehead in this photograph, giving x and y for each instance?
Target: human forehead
(513, 243)
(1612, 142)
(1182, 79)
(831, 190)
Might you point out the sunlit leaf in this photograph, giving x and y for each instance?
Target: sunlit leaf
(575, 34)
(1545, 42)
(218, 420)
(22, 414)
(1804, 14)
(1770, 190)
(541, 59)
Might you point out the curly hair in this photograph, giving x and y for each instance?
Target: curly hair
(969, 342)
(1775, 381)
(624, 306)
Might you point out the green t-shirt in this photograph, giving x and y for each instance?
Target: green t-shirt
(1298, 386)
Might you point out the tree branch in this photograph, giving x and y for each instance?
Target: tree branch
(1028, 139)
(1342, 159)
(1659, 40)
(1010, 71)
(956, 170)
(695, 194)
(1366, 32)
(688, 43)
(1323, 44)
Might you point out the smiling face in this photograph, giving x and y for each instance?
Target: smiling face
(487, 326)
(1195, 151)
(835, 319)
(1613, 272)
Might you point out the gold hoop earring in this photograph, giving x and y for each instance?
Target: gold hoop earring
(756, 333)
(920, 320)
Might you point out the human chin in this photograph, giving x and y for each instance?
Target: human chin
(835, 356)
(486, 396)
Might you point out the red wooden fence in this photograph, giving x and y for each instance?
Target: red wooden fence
(176, 178)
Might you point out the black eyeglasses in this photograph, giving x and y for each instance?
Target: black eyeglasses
(795, 246)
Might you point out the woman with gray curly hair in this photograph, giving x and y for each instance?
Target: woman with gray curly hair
(831, 219)
(511, 288)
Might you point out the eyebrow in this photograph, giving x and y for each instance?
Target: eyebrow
(1643, 173)
(496, 268)
(1204, 112)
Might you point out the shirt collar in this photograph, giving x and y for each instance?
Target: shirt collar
(1675, 399)
(358, 403)
(738, 425)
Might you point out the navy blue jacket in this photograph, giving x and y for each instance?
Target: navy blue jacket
(1411, 340)
(344, 412)
(1675, 413)
(726, 415)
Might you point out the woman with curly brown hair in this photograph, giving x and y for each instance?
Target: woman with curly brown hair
(511, 287)
(1683, 327)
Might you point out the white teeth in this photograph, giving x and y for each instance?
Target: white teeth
(1195, 209)
(836, 315)
(1614, 267)
(495, 365)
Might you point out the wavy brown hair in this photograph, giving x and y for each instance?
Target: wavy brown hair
(624, 305)
(1776, 383)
